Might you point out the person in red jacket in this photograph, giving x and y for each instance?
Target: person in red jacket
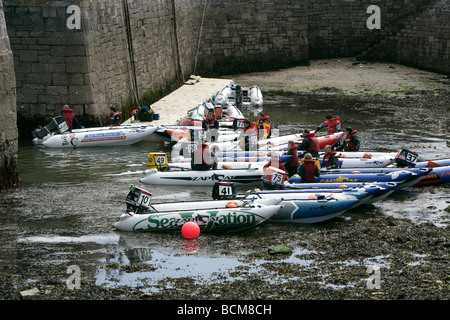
(351, 141)
(308, 170)
(70, 118)
(264, 126)
(333, 123)
(203, 158)
(115, 117)
(210, 125)
(249, 136)
(274, 162)
(330, 161)
(293, 164)
(310, 143)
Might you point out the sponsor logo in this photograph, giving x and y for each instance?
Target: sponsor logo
(94, 137)
(214, 217)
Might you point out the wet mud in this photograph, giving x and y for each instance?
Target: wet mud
(397, 249)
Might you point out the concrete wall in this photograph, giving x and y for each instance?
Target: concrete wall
(8, 127)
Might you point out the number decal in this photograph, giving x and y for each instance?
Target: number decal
(160, 160)
(277, 178)
(411, 158)
(225, 190)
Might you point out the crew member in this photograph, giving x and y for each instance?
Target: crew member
(67, 113)
(274, 162)
(115, 117)
(329, 161)
(310, 143)
(249, 136)
(333, 123)
(211, 126)
(351, 141)
(293, 164)
(264, 126)
(308, 170)
(203, 158)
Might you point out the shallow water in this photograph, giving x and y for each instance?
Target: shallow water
(68, 200)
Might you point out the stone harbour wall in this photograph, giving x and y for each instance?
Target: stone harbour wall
(122, 50)
(8, 126)
(241, 36)
(125, 50)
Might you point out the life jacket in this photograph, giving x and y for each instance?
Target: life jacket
(264, 124)
(326, 159)
(68, 115)
(293, 162)
(331, 124)
(348, 144)
(278, 165)
(210, 123)
(310, 170)
(112, 118)
(314, 145)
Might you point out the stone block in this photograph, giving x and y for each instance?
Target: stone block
(28, 56)
(76, 65)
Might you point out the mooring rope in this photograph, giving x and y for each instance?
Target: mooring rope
(200, 36)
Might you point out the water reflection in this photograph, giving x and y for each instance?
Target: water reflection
(69, 199)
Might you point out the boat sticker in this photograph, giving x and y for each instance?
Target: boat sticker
(104, 136)
(208, 219)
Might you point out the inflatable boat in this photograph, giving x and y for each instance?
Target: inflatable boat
(185, 146)
(210, 216)
(298, 209)
(176, 134)
(225, 114)
(56, 135)
(398, 176)
(385, 188)
(201, 178)
(235, 95)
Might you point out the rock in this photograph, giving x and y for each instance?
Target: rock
(28, 293)
(447, 209)
(280, 249)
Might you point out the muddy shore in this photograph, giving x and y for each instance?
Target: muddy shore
(328, 262)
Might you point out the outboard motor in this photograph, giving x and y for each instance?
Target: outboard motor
(224, 191)
(274, 178)
(138, 199)
(406, 158)
(56, 125)
(238, 123)
(238, 92)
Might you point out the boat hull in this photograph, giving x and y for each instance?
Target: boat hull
(98, 137)
(215, 216)
(202, 178)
